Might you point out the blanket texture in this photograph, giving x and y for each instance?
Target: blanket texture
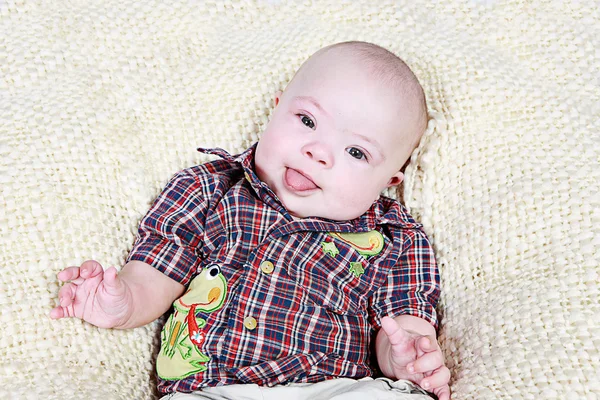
(102, 101)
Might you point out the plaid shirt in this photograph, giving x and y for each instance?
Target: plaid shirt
(314, 315)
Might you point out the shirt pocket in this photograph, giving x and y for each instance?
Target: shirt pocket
(341, 284)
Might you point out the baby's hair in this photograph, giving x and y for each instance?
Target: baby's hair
(391, 70)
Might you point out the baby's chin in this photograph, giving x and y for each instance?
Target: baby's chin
(300, 208)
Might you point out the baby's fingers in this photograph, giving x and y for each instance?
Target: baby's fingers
(61, 312)
(427, 344)
(57, 313)
(428, 362)
(68, 274)
(442, 393)
(90, 269)
(437, 381)
(66, 294)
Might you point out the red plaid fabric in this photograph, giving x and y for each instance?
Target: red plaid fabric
(315, 318)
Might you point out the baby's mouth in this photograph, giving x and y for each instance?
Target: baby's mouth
(298, 180)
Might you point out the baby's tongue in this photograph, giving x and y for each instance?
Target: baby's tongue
(298, 181)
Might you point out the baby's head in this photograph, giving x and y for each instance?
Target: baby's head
(341, 131)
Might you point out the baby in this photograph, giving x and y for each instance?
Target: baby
(284, 266)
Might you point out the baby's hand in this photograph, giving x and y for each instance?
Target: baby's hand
(94, 295)
(417, 358)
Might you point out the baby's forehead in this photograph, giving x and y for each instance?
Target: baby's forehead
(382, 69)
(378, 62)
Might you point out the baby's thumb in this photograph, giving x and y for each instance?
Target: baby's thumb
(112, 283)
(389, 327)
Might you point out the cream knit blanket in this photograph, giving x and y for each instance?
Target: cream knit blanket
(102, 101)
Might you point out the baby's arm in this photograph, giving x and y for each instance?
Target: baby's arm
(167, 239)
(406, 346)
(136, 296)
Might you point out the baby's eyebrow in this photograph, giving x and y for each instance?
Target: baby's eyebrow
(313, 101)
(372, 141)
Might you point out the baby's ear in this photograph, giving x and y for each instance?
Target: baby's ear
(396, 179)
(277, 97)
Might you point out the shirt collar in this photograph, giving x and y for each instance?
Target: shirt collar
(384, 211)
(244, 159)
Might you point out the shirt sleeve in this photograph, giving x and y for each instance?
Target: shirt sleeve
(413, 284)
(171, 233)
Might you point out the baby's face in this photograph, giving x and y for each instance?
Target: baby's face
(336, 139)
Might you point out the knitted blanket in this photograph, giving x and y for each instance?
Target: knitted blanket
(102, 101)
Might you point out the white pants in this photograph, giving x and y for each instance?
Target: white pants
(334, 389)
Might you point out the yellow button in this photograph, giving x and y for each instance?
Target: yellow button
(267, 267)
(250, 323)
(247, 176)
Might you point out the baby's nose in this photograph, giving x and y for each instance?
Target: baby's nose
(319, 154)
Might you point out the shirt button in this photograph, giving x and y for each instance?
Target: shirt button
(247, 176)
(250, 323)
(267, 267)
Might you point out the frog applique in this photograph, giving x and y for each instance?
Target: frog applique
(182, 336)
(366, 243)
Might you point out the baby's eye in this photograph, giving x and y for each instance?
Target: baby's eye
(356, 153)
(307, 121)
